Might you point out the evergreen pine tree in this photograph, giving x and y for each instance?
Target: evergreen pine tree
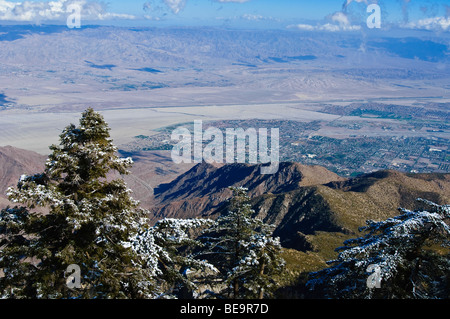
(89, 222)
(169, 250)
(397, 258)
(243, 250)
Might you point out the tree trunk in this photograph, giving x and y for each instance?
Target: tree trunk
(261, 273)
(236, 289)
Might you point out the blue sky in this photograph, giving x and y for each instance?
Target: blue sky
(425, 14)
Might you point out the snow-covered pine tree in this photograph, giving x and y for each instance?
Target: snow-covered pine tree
(243, 250)
(89, 222)
(406, 256)
(169, 249)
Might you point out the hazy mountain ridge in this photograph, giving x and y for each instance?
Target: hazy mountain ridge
(258, 65)
(431, 112)
(252, 46)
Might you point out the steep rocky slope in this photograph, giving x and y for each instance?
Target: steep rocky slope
(148, 171)
(15, 162)
(203, 189)
(312, 208)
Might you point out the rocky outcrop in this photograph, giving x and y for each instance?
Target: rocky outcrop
(300, 201)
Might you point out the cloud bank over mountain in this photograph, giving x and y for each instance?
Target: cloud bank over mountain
(38, 12)
(349, 15)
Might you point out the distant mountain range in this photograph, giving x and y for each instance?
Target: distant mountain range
(199, 46)
(289, 64)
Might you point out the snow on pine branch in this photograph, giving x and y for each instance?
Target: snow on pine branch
(152, 244)
(388, 245)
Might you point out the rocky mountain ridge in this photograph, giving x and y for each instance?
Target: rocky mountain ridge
(311, 208)
(304, 203)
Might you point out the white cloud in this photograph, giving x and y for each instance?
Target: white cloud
(249, 17)
(57, 10)
(256, 17)
(334, 28)
(325, 27)
(252, 17)
(340, 18)
(340, 23)
(161, 6)
(306, 27)
(436, 23)
(152, 18)
(175, 5)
